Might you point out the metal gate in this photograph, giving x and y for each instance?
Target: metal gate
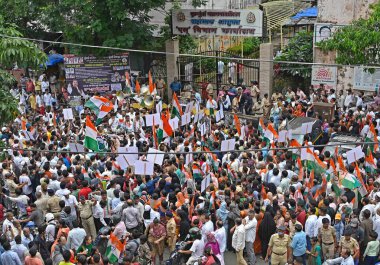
(206, 67)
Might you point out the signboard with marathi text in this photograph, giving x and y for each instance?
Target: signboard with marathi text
(326, 75)
(366, 80)
(89, 74)
(213, 22)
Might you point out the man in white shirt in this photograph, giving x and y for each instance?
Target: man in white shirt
(98, 213)
(367, 206)
(310, 225)
(322, 215)
(71, 201)
(47, 99)
(196, 250)
(250, 224)
(24, 178)
(376, 223)
(238, 241)
(221, 238)
(348, 99)
(345, 259)
(208, 226)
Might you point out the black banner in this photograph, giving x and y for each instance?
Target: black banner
(88, 74)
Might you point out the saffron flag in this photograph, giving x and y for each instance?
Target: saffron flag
(151, 85)
(23, 124)
(311, 180)
(263, 192)
(90, 140)
(237, 123)
(166, 125)
(137, 87)
(155, 139)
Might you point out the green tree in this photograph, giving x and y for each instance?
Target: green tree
(251, 47)
(13, 50)
(357, 43)
(114, 23)
(299, 49)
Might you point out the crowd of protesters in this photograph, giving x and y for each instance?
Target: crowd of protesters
(65, 207)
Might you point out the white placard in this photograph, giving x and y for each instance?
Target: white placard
(203, 129)
(219, 115)
(284, 135)
(155, 156)
(152, 117)
(355, 154)
(28, 135)
(186, 118)
(76, 148)
(174, 123)
(189, 107)
(159, 107)
(228, 145)
(144, 168)
(242, 136)
(123, 162)
(205, 183)
(307, 127)
(68, 114)
(189, 158)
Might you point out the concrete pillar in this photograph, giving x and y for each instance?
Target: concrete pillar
(172, 49)
(266, 68)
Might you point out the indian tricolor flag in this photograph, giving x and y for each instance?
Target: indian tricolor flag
(370, 163)
(270, 132)
(261, 125)
(90, 140)
(177, 109)
(114, 249)
(350, 182)
(372, 137)
(197, 172)
(100, 106)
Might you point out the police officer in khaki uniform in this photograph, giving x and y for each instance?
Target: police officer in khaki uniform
(266, 104)
(348, 242)
(53, 204)
(327, 239)
(279, 247)
(171, 227)
(85, 210)
(257, 108)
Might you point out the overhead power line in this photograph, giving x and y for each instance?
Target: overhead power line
(185, 54)
(193, 152)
